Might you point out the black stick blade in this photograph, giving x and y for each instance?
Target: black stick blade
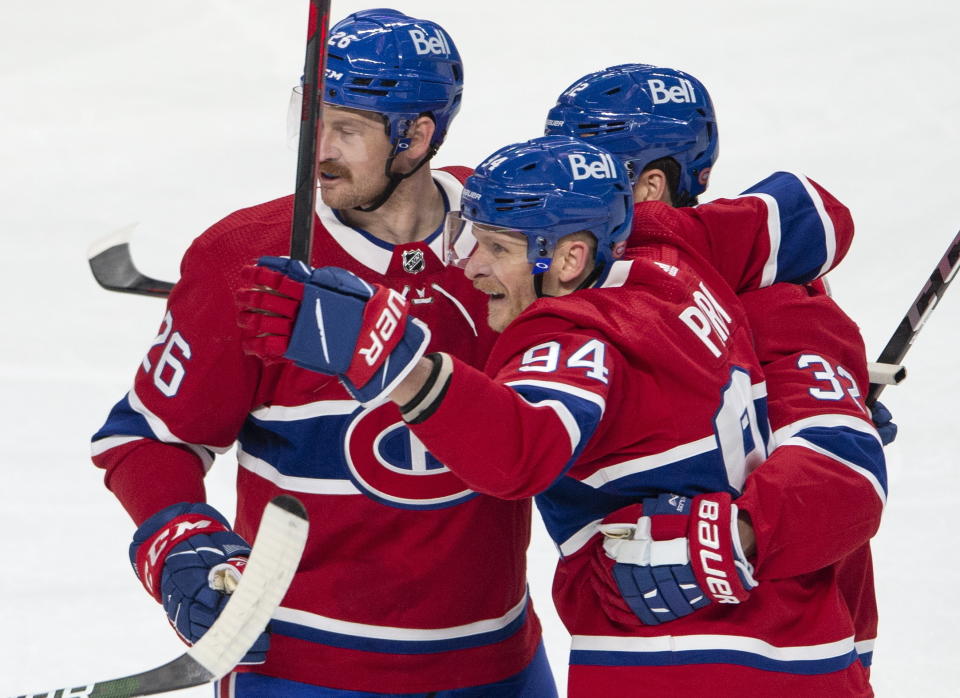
(112, 265)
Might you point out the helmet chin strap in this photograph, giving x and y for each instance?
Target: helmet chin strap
(587, 282)
(394, 178)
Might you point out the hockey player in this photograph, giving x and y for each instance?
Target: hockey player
(660, 122)
(385, 601)
(615, 382)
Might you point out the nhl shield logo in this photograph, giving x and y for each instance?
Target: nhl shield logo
(413, 261)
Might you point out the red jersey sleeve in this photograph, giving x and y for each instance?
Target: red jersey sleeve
(191, 392)
(820, 493)
(514, 435)
(786, 228)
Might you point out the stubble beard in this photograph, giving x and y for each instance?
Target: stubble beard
(348, 191)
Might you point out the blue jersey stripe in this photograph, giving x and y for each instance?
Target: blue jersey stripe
(857, 447)
(123, 420)
(803, 246)
(585, 412)
(393, 646)
(718, 656)
(290, 446)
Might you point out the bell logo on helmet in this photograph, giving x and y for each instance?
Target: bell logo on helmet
(680, 94)
(603, 168)
(426, 44)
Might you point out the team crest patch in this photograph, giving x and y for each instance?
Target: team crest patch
(413, 261)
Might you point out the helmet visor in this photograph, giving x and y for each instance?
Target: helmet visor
(460, 242)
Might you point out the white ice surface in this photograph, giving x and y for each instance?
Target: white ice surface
(173, 114)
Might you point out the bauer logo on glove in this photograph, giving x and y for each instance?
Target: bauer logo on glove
(330, 321)
(672, 555)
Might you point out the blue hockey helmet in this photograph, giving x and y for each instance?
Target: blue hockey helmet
(642, 113)
(550, 187)
(383, 61)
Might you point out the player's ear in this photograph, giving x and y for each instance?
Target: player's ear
(651, 185)
(573, 260)
(420, 134)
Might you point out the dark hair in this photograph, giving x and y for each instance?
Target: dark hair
(671, 169)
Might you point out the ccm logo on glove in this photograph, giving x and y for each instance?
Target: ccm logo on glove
(157, 548)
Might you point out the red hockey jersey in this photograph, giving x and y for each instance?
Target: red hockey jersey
(789, 228)
(385, 598)
(558, 410)
(784, 228)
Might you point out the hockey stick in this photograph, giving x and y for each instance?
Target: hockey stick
(273, 561)
(113, 268)
(305, 193)
(917, 315)
(110, 259)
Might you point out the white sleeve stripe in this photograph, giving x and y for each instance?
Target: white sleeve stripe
(160, 430)
(686, 643)
(564, 388)
(825, 420)
(580, 538)
(566, 418)
(870, 477)
(651, 462)
(769, 275)
(773, 231)
(103, 445)
(829, 233)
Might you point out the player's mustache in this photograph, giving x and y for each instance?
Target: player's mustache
(333, 169)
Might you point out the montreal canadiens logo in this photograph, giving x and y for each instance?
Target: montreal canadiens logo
(390, 464)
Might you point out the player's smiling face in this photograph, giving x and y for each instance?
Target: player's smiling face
(499, 267)
(351, 154)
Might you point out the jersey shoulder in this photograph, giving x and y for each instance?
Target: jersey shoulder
(788, 318)
(239, 239)
(461, 172)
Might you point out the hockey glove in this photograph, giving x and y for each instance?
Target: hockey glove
(190, 560)
(883, 421)
(330, 321)
(672, 555)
